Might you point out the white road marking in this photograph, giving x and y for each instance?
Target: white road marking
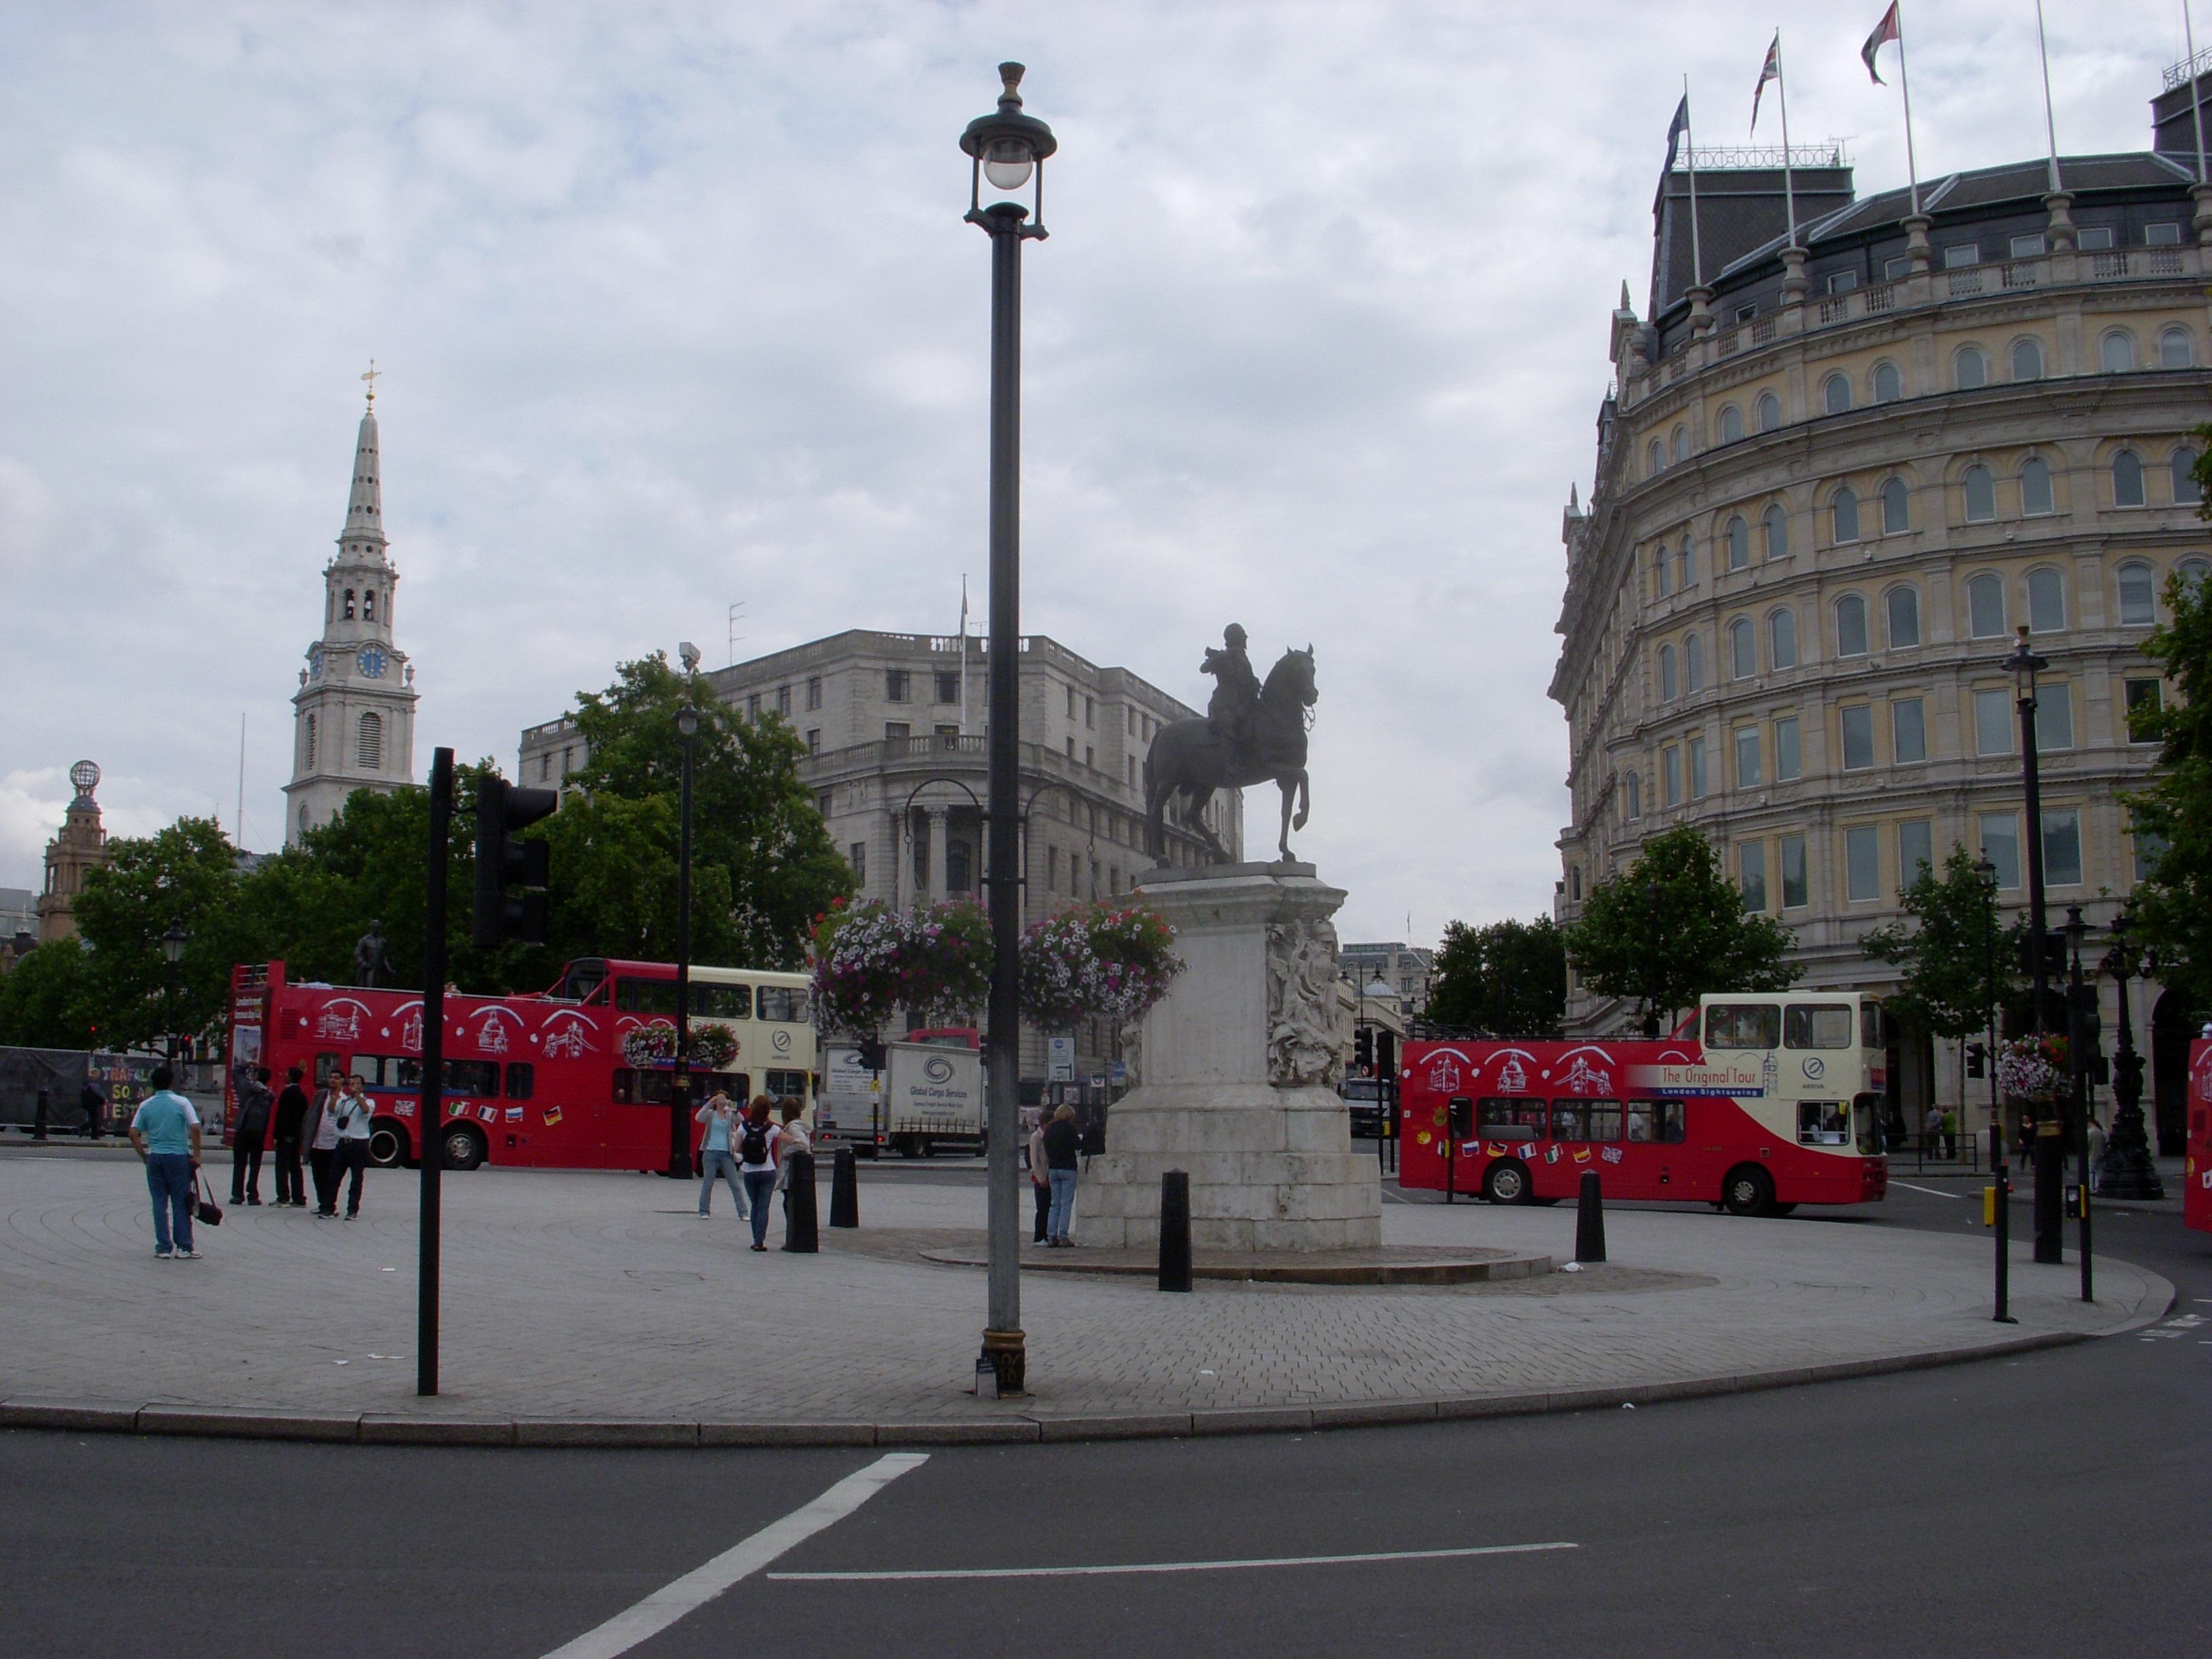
(1931, 1191)
(1167, 1566)
(741, 1560)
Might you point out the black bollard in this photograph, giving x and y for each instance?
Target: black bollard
(845, 1189)
(1175, 1230)
(38, 1123)
(1589, 1221)
(800, 1234)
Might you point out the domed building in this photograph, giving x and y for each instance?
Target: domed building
(1832, 479)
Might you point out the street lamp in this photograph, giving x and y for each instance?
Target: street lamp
(2050, 1149)
(679, 1086)
(1006, 147)
(2128, 1171)
(2000, 1171)
(172, 952)
(2081, 1043)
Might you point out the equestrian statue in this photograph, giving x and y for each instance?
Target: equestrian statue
(1252, 732)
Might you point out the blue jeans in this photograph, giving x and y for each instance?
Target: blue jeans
(720, 1166)
(1063, 1204)
(169, 1179)
(759, 1183)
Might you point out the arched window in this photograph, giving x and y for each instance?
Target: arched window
(1635, 796)
(1731, 423)
(2175, 350)
(1903, 607)
(2138, 596)
(368, 605)
(2046, 600)
(307, 740)
(1684, 573)
(2127, 479)
(2192, 572)
(1770, 412)
(2116, 352)
(1738, 539)
(1836, 394)
(370, 755)
(1851, 626)
(1846, 508)
(1981, 494)
(1781, 639)
(1970, 369)
(1681, 445)
(1985, 607)
(1743, 649)
(2027, 359)
(303, 820)
(1776, 523)
(1694, 664)
(2035, 486)
(1658, 459)
(1667, 686)
(1896, 508)
(347, 614)
(1888, 384)
(1659, 569)
(2187, 492)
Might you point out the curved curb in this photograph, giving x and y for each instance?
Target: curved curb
(1444, 1270)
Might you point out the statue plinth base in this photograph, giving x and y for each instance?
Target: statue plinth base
(1236, 1071)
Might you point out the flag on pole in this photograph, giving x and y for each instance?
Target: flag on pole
(1681, 124)
(1884, 31)
(1770, 70)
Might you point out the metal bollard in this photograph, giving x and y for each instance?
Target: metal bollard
(1175, 1230)
(1589, 1221)
(845, 1189)
(800, 1234)
(39, 1124)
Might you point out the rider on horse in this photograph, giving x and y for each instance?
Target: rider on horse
(1236, 693)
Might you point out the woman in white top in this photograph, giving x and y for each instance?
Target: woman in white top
(757, 1141)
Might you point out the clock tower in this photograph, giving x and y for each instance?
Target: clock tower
(353, 719)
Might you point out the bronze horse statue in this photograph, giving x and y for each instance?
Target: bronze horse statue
(1189, 760)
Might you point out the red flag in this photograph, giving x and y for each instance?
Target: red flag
(1770, 70)
(1884, 31)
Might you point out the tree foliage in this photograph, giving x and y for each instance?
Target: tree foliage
(1672, 928)
(1958, 960)
(43, 1003)
(1508, 978)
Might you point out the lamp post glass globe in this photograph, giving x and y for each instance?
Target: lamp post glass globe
(1006, 163)
(174, 943)
(687, 722)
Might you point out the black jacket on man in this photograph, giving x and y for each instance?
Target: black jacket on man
(291, 1111)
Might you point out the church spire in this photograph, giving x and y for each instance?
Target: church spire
(364, 506)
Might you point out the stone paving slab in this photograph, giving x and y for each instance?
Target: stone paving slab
(597, 1308)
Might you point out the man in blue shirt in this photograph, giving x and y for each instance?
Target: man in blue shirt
(166, 1132)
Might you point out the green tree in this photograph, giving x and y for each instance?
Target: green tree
(185, 876)
(42, 999)
(1672, 928)
(1957, 959)
(1508, 978)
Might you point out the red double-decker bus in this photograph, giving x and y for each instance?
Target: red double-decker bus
(2196, 1172)
(1778, 1105)
(535, 1080)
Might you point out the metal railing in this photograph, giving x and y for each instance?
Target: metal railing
(1965, 1154)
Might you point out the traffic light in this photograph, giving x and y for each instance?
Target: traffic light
(1362, 1049)
(1976, 1057)
(872, 1056)
(504, 865)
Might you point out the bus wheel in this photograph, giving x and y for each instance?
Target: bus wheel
(1748, 1190)
(465, 1147)
(387, 1145)
(1506, 1182)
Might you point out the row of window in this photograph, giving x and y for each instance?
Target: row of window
(1913, 846)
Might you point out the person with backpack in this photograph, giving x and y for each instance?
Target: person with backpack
(248, 1137)
(717, 1158)
(757, 1162)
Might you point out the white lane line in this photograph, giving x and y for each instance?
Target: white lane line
(1168, 1567)
(1931, 1191)
(703, 1585)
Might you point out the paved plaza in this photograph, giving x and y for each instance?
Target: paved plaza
(598, 1307)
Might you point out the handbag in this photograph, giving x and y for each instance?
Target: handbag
(207, 1213)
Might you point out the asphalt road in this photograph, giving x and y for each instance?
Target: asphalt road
(2051, 1504)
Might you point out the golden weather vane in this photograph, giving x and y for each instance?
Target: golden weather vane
(373, 371)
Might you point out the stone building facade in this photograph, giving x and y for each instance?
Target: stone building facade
(78, 849)
(1831, 481)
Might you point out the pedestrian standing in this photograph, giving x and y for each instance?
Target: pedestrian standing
(757, 1141)
(1040, 1182)
(351, 1153)
(96, 1110)
(717, 1161)
(1062, 1142)
(2096, 1148)
(291, 1115)
(248, 1137)
(791, 1138)
(165, 1131)
(321, 1134)
(1951, 1133)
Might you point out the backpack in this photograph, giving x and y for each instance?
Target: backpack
(753, 1145)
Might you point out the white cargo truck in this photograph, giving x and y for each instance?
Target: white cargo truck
(931, 1100)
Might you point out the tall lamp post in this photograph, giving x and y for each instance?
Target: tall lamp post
(2128, 1170)
(679, 1084)
(172, 952)
(2050, 1144)
(2000, 1171)
(2081, 1047)
(1008, 149)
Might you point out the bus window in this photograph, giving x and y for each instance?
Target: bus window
(1822, 1123)
(1511, 1120)
(1462, 1118)
(584, 979)
(1585, 1120)
(1743, 1025)
(1817, 1025)
(625, 1085)
(479, 1077)
(1866, 1111)
(786, 1085)
(721, 1001)
(646, 996)
(1870, 1025)
(738, 1085)
(1566, 1119)
(783, 1002)
(326, 1067)
(1602, 1119)
(642, 1088)
(1654, 1120)
(521, 1079)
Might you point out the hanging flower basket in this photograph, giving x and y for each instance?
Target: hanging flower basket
(870, 961)
(711, 1046)
(1106, 962)
(2033, 1067)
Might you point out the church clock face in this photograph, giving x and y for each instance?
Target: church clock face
(315, 665)
(372, 663)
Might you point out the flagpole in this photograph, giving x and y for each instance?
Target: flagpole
(1690, 132)
(1782, 91)
(2050, 126)
(2196, 103)
(964, 653)
(1904, 82)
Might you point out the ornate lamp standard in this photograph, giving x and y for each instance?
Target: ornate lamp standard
(679, 1084)
(2128, 1171)
(1006, 148)
(172, 952)
(2050, 1144)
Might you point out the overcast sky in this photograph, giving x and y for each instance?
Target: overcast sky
(678, 310)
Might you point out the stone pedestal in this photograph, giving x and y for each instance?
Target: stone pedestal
(1236, 1074)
